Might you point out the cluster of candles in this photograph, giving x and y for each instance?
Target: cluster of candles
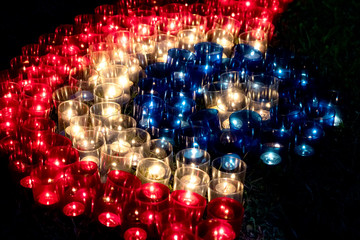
(203, 88)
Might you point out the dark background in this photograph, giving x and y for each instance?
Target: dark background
(22, 22)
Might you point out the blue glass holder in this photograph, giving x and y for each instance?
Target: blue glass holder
(193, 137)
(320, 111)
(251, 58)
(158, 70)
(167, 128)
(152, 86)
(178, 59)
(147, 108)
(308, 139)
(181, 107)
(208, 53)
(206, 117)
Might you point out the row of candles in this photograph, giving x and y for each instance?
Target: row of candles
(203, 89)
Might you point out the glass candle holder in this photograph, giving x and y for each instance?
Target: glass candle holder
(166, 129)
(107, 213)
(250, 58)
(214, 229)
(69, 109)
(320, 111)
(47, 185)
(193, 137)
(226, 210)
(172, 217)
(191, 179)
(9, 113)
(193, 157)
(65, 93)
(10, 90)
(163, 43)
(78, 124)
(147, 108)
(153, 170)
(109, 92)
(206, 117)
(152, 196)
(103, 110)
(38, 91)
(152, 86)
(135, 233)
(225, 187)
(178, 58)
(229, 24)
(115, 156)
(263, 91)
(230, 101)
(194, 204)
(212, 93)
(228, 166)
(31, 107)
(256, 38)
(308, 138)
(169, 26)
(89, 144)
(120, 187)
(118, 122)
(175, 233)
(181, 107)
(139, 141)
(32, 137)
(223, 38)
(233, 79)
(158, 70)
(189, 37)
(208, 53)
(161, 149)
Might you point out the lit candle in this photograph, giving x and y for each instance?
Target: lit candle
(91, 159)
(73, 209)
(135, 233)
(48, 198)
(193, 154)
(270, 158)
(188, 198)
(68, 114)
(265, 114)
(74, 130)
(158, 153)
(109, 219)
(120, 147)
(190, 181)
(109, 111)
(112, 93)
(225, 188)
(252, 56)
(155, 172)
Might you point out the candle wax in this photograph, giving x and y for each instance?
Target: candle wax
(190, 181)
(74, 209)
(48, 198)
(193, 153)
(120, 147)
(155, 172)
(270, 158)
(188, 198)
(91, 159)
(153, 192)
(252, 56)
(109, 219)
(67, 114)
(225, 188)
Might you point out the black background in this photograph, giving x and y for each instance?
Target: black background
(22, 22)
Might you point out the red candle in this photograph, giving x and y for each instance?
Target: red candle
(108, 213)
(46, 187)
(135, 233)
(20, 167)
(174, 218)
(214, 229)
(120, 186)
(152, 196)
(10, 90)
(30, 108)
(177, 234)
(226, 210)
(194, 204)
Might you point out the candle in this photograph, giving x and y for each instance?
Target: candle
(252, 56)
(193, 154)
(270, 158)
(190, 181)
(73, 209)
(225, 188)
(265, 114)
(109, 111)
(158, 153)
(120, 147)
(188, 198)
(135, 233)
(74, 130)
(68, 114)
(155, 172)
(91, 159)
(48, 197)
(109, 219)
(304, 150)
(112, 93)
(86, 96)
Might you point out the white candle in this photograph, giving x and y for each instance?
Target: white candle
(225, 188)
(74, 130)
(112, 92)
(190, 181)
(68, 114)
(108, 111)
(120, 147)
(155, 172)
(91, 159)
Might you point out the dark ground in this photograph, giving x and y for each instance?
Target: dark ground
(313, 198)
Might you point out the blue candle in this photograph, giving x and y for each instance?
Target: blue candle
(270, 158)
(230, 162)
(304, 150)
(194, 155)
